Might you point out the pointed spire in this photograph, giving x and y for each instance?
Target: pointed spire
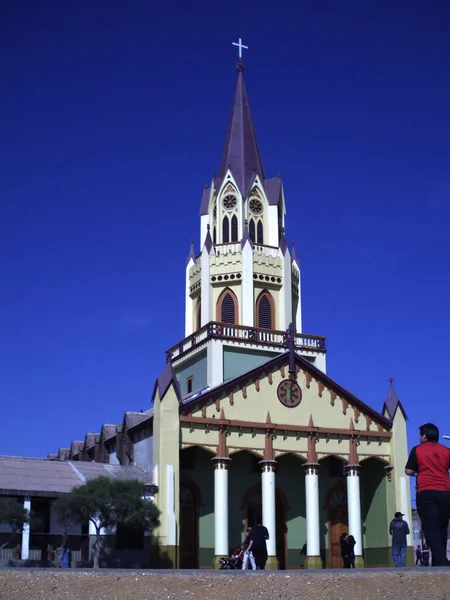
(246, 236)
(208, 241)
(241, 152)
(191, 255)
(294, 255)
(283, 245)
(310, 422)
(392, 402)
(268, 419)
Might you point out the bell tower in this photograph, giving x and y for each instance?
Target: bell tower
(243, 286)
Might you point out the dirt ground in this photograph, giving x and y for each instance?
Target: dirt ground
(364, 584)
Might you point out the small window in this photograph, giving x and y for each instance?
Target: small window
(265, 312)
(198, 315)
(228, 315)
(234, 229)
(190, 384)
(251, 230)
(260, 231)
(214, 236)
(225, 231)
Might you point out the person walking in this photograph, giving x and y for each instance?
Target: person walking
(418, 556)
(248, 553)
(430, 462)
(259, 537)
(345, 550)
(351, 543)
(399, 529)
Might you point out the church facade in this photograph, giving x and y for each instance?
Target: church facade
(245, 420)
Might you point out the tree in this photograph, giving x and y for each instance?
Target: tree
(106, 502)
(15, 515)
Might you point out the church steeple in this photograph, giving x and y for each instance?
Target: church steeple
(241, 153)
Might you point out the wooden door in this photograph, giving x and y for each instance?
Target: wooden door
(336, 505)
(188, 528)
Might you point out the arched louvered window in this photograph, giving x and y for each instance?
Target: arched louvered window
(198, 316)
(225, 230)
(265, 311)
(214, 236)
(260, 232)
(234, 229)
(227, 308)
(251, 230)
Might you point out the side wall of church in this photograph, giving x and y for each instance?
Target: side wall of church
(195, 368)
(237, 361)
(143, 451)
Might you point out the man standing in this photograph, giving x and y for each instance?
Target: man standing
(430, 462)
(259, 536)
(399, 529)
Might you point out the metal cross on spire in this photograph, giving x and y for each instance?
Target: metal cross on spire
(240, 46)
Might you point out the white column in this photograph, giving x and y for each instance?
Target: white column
(26, 531)
(247, 302)
(214, 363)
(221, 546)
(405, 506)
(354, 507)
(269, 504)
(206, 315)
(170, 507)
(312, 510)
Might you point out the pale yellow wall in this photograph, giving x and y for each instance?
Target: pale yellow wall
(166, 444)
(256, 406)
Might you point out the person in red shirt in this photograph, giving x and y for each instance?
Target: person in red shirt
(430, 462)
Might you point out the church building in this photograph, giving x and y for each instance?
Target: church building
(245, 420)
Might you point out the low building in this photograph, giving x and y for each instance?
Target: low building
(37, 483)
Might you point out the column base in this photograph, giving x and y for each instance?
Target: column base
(313, 562)
(359, 562)
(216, 564)
(410, 558)
(272, 563)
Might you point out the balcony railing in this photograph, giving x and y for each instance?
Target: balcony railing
(245, 335)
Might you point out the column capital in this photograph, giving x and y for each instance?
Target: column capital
(221, 462)
(268, 466)
(352, 470)
(311, 468)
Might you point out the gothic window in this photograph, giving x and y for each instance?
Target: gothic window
(227, 308)
(234, 229)
(214, 236)
(251, 230)
(225, 231)
(265, 314)
(260, 232)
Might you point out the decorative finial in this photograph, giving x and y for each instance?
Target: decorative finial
(282, 230)
(391, 381)
(192, 241)
(208, 227)
(240, 65)
(240, 46)
(245, 222)
(293, 243)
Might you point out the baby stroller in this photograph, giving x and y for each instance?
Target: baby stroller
(234, 561)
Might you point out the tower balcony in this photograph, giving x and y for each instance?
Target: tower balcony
(241, 335)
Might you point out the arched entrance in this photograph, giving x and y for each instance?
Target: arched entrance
(252, 506)
(189, 526)
(336, 507)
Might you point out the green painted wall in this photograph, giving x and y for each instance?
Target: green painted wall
(237, 361)
(373, 513)
(202, 474)
(196, 368)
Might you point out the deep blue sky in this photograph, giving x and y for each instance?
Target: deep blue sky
(112, 118)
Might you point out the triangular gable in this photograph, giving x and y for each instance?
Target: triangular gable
(272, 365)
